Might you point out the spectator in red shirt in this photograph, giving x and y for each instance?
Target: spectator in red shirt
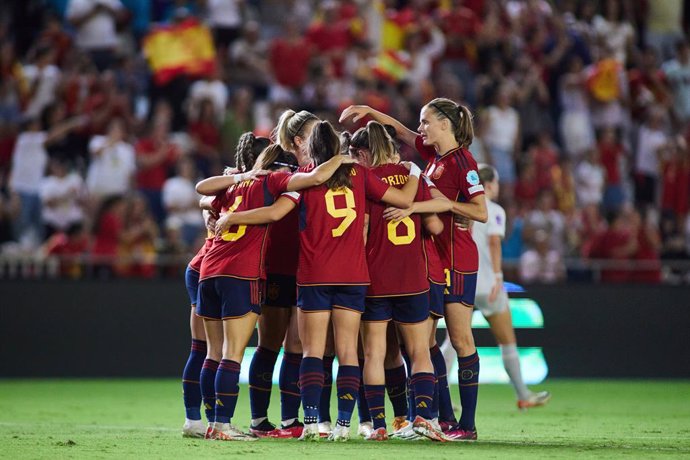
(137, 250)
(205, 134)
(69, 246)
(527, 186)
(330, 37)
(611, 153)
(618, 245)
(647, 257)
(675, 187)
(289, 61)
(107, 235)
(155, 157)
(544, 153)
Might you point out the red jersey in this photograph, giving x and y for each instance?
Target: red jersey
(394, 250)
(455, 175)
(434, 266)
(331, 225)
(239, 251)
(283, 246)
(195, 263)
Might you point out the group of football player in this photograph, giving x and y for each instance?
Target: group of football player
(338, 249)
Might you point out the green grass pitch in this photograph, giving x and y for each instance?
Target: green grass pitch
(142, 419)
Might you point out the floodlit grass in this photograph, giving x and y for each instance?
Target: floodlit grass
(142, 419)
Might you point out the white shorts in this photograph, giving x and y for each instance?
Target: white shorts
(481, 303)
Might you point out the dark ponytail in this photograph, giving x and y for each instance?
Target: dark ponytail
(324, 143)
(248, 149)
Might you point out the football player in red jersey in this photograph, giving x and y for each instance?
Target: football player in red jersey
(233, 267)
(445, 132)
(278, 320)
(398, 291)
(331, 232)
(248, 149)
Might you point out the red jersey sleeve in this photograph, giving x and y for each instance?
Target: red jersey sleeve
(427, 152)
(470, 185)
(375, 187)
(277, 182)
(220, 201)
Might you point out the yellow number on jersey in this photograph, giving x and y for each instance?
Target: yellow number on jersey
(241, 229)
(447, 273)
(348, 212)
(393, 234)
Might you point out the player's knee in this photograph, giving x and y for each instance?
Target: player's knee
(463, 342)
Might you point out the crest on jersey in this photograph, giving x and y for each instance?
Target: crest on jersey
(438, 172)
(472, 177)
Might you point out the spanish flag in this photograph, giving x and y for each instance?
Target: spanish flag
(179, 49)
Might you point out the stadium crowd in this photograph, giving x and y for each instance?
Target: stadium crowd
(583, 107)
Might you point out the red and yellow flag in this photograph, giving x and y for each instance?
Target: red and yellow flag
(180, 49)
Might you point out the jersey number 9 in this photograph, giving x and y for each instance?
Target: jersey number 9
(348, 213)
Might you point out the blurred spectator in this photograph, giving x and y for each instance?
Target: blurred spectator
(10, 208)
(564, 186)
(607, 84)
(531, 99)
(65, 140)
(239, 119)
(617, 245)
(647, 256)
(182, 203)
(62, 195)
(589, 179)
(29, 161)
(502, 132)
(575, 126)
(652, 139)
(675, 185)
(137, 248)
(677, 74)
(329, 36)
(96, 24)
(206, 138)
(663, 28)
(591, 228)
(155, 156)
(422, 54)
(544, 153)
(113, 163)
(107, 235)
(541, 264)
(55, 37)
(211, 88)
(43, 78)
(249, 60)
(225, 19)
(527, 185)
(612, 154)
(289, 60)
(647, 85)
(14, 88)
(71, 246)
(614, 31)
(547, 219)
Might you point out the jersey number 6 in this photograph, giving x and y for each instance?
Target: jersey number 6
(348, 212)
(241, 229)
(400, 240)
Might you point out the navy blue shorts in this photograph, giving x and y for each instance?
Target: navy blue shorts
(281, 291)
(436, 300)
(406, 309)
(324, 298)
(223, 297)
(462, 288)
(191, 281)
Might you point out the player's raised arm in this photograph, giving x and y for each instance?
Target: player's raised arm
(318, 175)
(357, 112)
(213, 185)
(258, 216)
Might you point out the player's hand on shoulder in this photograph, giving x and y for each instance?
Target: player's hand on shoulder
(254, 173)
(229, 171)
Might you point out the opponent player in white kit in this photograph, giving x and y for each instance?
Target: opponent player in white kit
(491, 299)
